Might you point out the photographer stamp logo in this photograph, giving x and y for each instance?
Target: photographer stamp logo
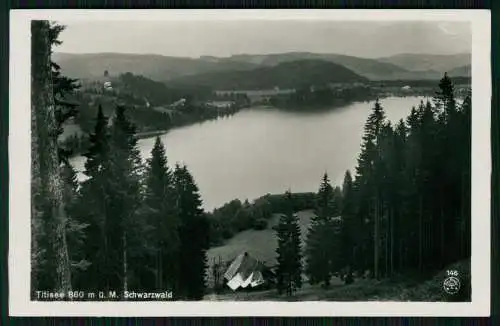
(451, 284)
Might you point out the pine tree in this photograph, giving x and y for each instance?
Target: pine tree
(289, 269)
(97, 156)
(447, 170)
(95, 204)
(444, 100)
(193, 233)
(369, 182)
(400, 196)
(321, 248)
(350, 225)
(464, 157)
(124, 230)
(111, 196)
(427, 186)
(385, 169)
(326, 206)
(159, 203)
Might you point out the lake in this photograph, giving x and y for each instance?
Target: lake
(264, 150)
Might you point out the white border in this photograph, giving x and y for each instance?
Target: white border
(19, 165)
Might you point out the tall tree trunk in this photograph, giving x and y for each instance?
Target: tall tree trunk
(107, 274)
(392, 241)
(161, 273)
(214, 273)
(420, 235)
(441, 234)
(386, 245)
(45, 154)
(125, 267)
(376, 241)
(463, 216)
(401, 263)
(36, 214)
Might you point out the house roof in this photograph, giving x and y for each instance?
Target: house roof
(244, 271)
(243, 264)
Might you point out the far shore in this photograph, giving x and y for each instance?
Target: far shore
(149, 134)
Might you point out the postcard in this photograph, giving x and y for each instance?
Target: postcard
(249, 163)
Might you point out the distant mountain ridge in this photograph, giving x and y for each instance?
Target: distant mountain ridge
(463, 71)
(165, 68)
(286, 75)
(430, 62)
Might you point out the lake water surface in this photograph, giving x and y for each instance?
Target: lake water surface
(264, 150)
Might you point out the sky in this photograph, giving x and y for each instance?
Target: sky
(225, 38)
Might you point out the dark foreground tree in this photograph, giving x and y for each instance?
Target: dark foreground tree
(50, 259)
(95, 205)
(124, 227)
(193, 233)
(368, 187)
(323, 240)
(289, 270)
(162, 221)
(350, 239)
(111, 197)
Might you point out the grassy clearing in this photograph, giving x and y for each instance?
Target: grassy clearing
(260, 244)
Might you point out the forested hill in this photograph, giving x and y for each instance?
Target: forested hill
(365, 67)
(287, 75)
(156, 67)
(431, 62)
(461, 71)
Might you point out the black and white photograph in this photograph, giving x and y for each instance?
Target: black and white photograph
(270, 160)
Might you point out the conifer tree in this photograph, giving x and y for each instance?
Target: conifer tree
(464, 157)
(289, 269)
(322, 245)
(368, 181)
(124, 229)
(400, 196)
(95, 204)
(350, 225)
(162, 220)
(111, 196)
(326, 206)
(444, 100)
(193, 234)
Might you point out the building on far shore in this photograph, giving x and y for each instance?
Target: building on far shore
(221, 104)
(178, 103)
(108, 86)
